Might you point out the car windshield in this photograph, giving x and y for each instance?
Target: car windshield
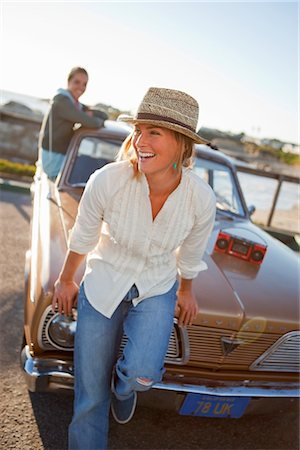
(92, 154)
(220, 178)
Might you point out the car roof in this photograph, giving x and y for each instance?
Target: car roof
(216, 155)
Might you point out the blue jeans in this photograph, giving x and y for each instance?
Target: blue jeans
(148, 327)
(52, 162)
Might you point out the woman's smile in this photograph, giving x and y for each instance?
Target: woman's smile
(144, 156)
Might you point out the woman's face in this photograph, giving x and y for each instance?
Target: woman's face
(77, 85)
(157, 149)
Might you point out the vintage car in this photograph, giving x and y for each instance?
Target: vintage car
(244, 345)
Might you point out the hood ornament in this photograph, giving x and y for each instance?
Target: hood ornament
(230, 344)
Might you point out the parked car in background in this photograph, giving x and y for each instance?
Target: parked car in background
(243, 346)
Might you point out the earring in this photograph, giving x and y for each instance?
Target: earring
(175, 166)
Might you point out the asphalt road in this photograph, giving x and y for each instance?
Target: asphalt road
(40, 421)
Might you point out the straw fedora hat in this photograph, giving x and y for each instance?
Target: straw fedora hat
(170, 109)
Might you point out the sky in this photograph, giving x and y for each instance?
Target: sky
(240, 60)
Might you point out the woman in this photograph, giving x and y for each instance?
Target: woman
(143, 221)
(58, 126)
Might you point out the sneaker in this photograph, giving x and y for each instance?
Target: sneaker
(122, 410)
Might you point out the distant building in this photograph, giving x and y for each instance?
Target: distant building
(251, 140)
(274, 143)
(291, 148)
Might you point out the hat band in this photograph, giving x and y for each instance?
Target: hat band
(149, 116)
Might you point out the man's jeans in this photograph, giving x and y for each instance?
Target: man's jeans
(148, 327)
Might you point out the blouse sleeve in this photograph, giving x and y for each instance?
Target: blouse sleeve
(85, 233)
(190, 253)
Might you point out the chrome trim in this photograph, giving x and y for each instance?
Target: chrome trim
(183, 345)
(241, 305)
(233, 390)
(40, 373)
(282, 356)
(179, 339)
(44, 340)
(47, 374)
(178, 348)
(34, 242)
(41, 335)
(61, 214)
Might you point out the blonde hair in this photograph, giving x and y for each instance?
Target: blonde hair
(185, 158)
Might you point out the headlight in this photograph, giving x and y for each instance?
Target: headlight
(61, 331)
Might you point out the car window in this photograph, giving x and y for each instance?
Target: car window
(220, 178)
(93, 153)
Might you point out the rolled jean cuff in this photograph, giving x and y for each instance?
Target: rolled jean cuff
(125, 385)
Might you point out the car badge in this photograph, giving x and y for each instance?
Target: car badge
(229, 344)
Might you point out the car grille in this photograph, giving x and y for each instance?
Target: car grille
(202, 346)
(175, 353)
(283, 356)
(206, 347)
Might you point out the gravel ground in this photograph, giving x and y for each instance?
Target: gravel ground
(40, 421)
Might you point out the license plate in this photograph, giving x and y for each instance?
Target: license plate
(213, 406)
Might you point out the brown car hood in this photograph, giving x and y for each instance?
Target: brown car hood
(268, 293)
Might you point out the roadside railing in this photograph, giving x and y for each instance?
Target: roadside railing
(275, 197)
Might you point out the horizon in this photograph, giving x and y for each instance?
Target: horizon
(239, 60)
(44, 101)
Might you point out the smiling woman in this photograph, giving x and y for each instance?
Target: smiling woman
(139, 232)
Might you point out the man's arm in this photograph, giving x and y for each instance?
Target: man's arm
(66, 110)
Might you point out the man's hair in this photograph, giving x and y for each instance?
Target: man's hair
(75, 71)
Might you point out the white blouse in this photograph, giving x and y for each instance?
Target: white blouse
(126, 246)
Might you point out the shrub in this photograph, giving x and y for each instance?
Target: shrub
(17, 168)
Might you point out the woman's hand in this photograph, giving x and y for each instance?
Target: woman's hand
(65, 289)
(186, 306)
(65, 296)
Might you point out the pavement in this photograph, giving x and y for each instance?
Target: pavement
(37, 421)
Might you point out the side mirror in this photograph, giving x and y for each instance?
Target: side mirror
(251, 209)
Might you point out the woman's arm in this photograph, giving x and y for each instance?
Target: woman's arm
(65, 288)
(189, 260)
(82, 239)
(186, 306)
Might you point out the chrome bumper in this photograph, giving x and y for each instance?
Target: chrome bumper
(43, 374)
(236, 389)
(52, 374)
